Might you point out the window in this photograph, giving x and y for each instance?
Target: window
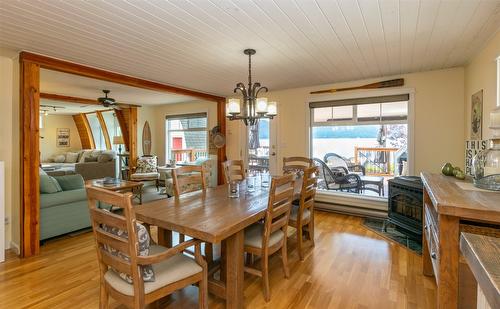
(367, 137)
(187, 137)
(97, 133)
(113, 126)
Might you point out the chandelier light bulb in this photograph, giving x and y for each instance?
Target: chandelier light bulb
(233, 106)
(272, 108)
(261, 107)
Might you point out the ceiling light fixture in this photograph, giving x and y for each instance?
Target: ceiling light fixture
(253, 108)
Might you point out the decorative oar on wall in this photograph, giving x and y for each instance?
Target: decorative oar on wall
(384, 84)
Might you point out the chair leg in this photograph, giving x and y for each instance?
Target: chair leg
(182, 238)
(265, 277)
(310, 228)
(203, 291)
(284, 259)
(104, 298)
(299, 241)
(157, 185)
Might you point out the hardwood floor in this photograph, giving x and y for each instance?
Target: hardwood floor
(350, 267)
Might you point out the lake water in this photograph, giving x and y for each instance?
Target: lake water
(340, 146)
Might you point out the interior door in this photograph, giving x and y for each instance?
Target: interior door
(260, 147)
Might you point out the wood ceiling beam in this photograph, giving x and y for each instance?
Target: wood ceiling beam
(82, 70)
(70, 99)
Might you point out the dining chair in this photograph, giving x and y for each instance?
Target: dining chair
(268, 237)
(302, 215)
(126, 273)
(190, 178)
(296, 164)
(234, 170)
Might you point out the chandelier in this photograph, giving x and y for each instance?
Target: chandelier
(253, 107)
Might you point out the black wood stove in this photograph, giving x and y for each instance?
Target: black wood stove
(405, 205)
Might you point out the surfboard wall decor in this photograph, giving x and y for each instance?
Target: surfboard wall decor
(146, 140)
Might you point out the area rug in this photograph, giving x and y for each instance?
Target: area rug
(377, 226)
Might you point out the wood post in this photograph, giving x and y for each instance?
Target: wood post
(132, 136)
(221, 152)
(30, 158)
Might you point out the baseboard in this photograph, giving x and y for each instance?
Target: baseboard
(15, 247)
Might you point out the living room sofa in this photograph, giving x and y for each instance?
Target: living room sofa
(91, 164)
(63, 205)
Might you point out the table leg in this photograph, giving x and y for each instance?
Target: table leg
(234, 270)
(164, 237)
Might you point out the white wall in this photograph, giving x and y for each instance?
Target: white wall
(48, 144)
(481, 73)
(439, 126)
(9, 141)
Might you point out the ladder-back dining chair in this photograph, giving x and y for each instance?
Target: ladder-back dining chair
(234, 170)
(302, 215)
(190, 178)
(124, 268)
(264, 239)
(296, 164)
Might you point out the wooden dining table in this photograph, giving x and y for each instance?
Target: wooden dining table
(213, 217)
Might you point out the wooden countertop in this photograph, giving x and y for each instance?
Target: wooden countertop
(483, 256)
(450, 199)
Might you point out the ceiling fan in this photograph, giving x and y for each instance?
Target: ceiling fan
(107, 101)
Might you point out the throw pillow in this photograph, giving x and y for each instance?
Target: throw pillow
(71, 157)
(59, 158)
(105, 156)
(95, 154)
(144, 240)
(83, 155)
(147, 165)
(90, 159)
(49, 184)
(70, 182)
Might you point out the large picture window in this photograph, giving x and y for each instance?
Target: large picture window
(187, 137)
(359, 144)
(97, 129)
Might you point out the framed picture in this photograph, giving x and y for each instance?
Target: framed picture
(62, 137)
(476, 132)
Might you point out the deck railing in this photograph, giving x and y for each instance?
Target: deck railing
(188, 155)
(377, 160)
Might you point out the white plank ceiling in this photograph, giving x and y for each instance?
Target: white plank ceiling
(198, 44)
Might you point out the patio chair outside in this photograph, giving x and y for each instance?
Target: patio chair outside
(336, 179)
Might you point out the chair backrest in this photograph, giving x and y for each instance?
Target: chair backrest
(335, 160)
(296, 164)
(147, 164)
(308, 190)
(234, 170)
(107, 243)
(188, 178)
(279, 205)
(325, 173)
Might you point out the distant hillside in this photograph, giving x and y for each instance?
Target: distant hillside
(368, 131)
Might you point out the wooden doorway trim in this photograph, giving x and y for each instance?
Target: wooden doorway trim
(30, 65)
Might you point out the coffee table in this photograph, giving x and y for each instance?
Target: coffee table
(119, 186)
(376, 181)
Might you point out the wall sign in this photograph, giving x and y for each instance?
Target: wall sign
(62, 137)
(472, 147)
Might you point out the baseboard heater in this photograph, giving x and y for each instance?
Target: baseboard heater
(350, 210)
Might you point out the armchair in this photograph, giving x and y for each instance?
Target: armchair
(336, 179)
(336, 161)
(146, 170)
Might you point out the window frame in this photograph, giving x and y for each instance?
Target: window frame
(351, 202)
(184, 116)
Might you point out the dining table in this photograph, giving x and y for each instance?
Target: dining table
(213, 217)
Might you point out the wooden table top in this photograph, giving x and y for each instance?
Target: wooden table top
(450, 199)
(211, 216)
(122, 185)
(483, 256)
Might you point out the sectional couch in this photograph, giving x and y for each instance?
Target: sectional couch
(91, 164)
